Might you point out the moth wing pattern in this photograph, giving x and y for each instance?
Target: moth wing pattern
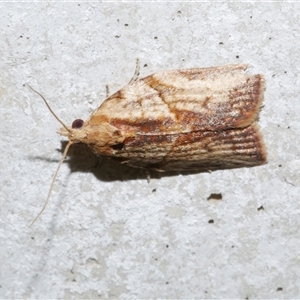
(185, 101)
(180, 120)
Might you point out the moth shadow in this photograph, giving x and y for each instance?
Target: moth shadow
(81, 159)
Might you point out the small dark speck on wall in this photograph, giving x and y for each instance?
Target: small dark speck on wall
(214, 196)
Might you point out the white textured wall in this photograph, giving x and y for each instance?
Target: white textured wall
(106, 232)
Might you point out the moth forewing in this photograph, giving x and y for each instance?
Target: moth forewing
(180, 120)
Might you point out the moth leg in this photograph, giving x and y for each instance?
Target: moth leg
(107, 90)
(97, 164)
(148, 175)
(136, 72)
(99, 161)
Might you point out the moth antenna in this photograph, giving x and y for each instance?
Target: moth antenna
(52, 112)
(52, 183)
(107, 90)
(136, 72)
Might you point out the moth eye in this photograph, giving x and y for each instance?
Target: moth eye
(78, 123)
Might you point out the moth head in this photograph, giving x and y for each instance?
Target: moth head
(98, 135)
(74, 133)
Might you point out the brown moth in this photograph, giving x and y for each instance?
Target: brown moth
(196, 119)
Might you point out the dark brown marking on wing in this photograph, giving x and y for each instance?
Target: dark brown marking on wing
(142, 125)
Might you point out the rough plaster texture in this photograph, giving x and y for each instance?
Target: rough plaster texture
(106, 232)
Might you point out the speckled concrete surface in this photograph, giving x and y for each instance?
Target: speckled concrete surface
(106, 232)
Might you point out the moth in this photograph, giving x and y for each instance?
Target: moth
(194, 119)
(197, 119)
